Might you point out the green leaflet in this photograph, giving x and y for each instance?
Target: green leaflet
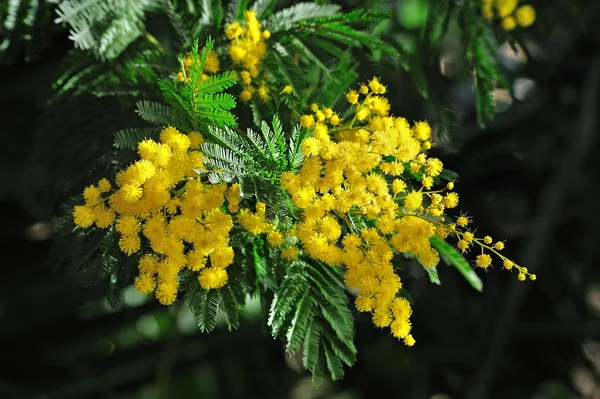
(311, 309)
(161, 114)
(201, 101)
(452, 257)
(128, 139)
(433, 275)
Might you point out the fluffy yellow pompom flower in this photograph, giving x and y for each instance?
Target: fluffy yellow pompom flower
(266, 35)
(422, 131)
(451, 200)
(263, 92)
(335, 120)
(145, 169)
(398, 186)
(376, 86)
(307, 121)
(427, 182)
(104, 185)
(212, 278)
(433, 167)
(91, 194)
(352, 97)
(400, 327)
(195, 261)
(413, 200)
(129, 244)
(104, 217)
(222, 257)
(145, 283)
(483, 261)
(246, 78)
(212, 62)
(166, 292)
(233, 30)
(287, 89)
(162, 156)
(128, 225)
(506, 7)
(195, 139)
(83, 216)
(509, 23)
(246, 95)
(147, 264)
(131, 192)
(525, 16)
(462, 221)
(275, 238)
(463, 245)
(311, 146)
(468, 236)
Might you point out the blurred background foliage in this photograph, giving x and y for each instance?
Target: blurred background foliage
(529, 177)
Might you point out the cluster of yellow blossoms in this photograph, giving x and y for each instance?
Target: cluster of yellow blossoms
(509, 12)
(181, 218)
(365, 188)
(247, 49)
(352, 177)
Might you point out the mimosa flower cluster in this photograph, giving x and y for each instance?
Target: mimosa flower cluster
(366, 190)
(362, 203)
(166, 215)
(510, 12)
(247, 49)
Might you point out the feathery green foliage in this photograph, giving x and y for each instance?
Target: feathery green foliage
(311, 55)
(106, 27)
(310, 309)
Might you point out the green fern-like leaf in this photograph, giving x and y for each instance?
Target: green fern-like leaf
(128, 139)
(310, 357)
(334, 364)
(217, 83)
(352, 37)
(204, 305)
(293, 288)
(286, 18)
(161, 114)
(229, 306)
(311, 307)
(300, 323)
(106, 27)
